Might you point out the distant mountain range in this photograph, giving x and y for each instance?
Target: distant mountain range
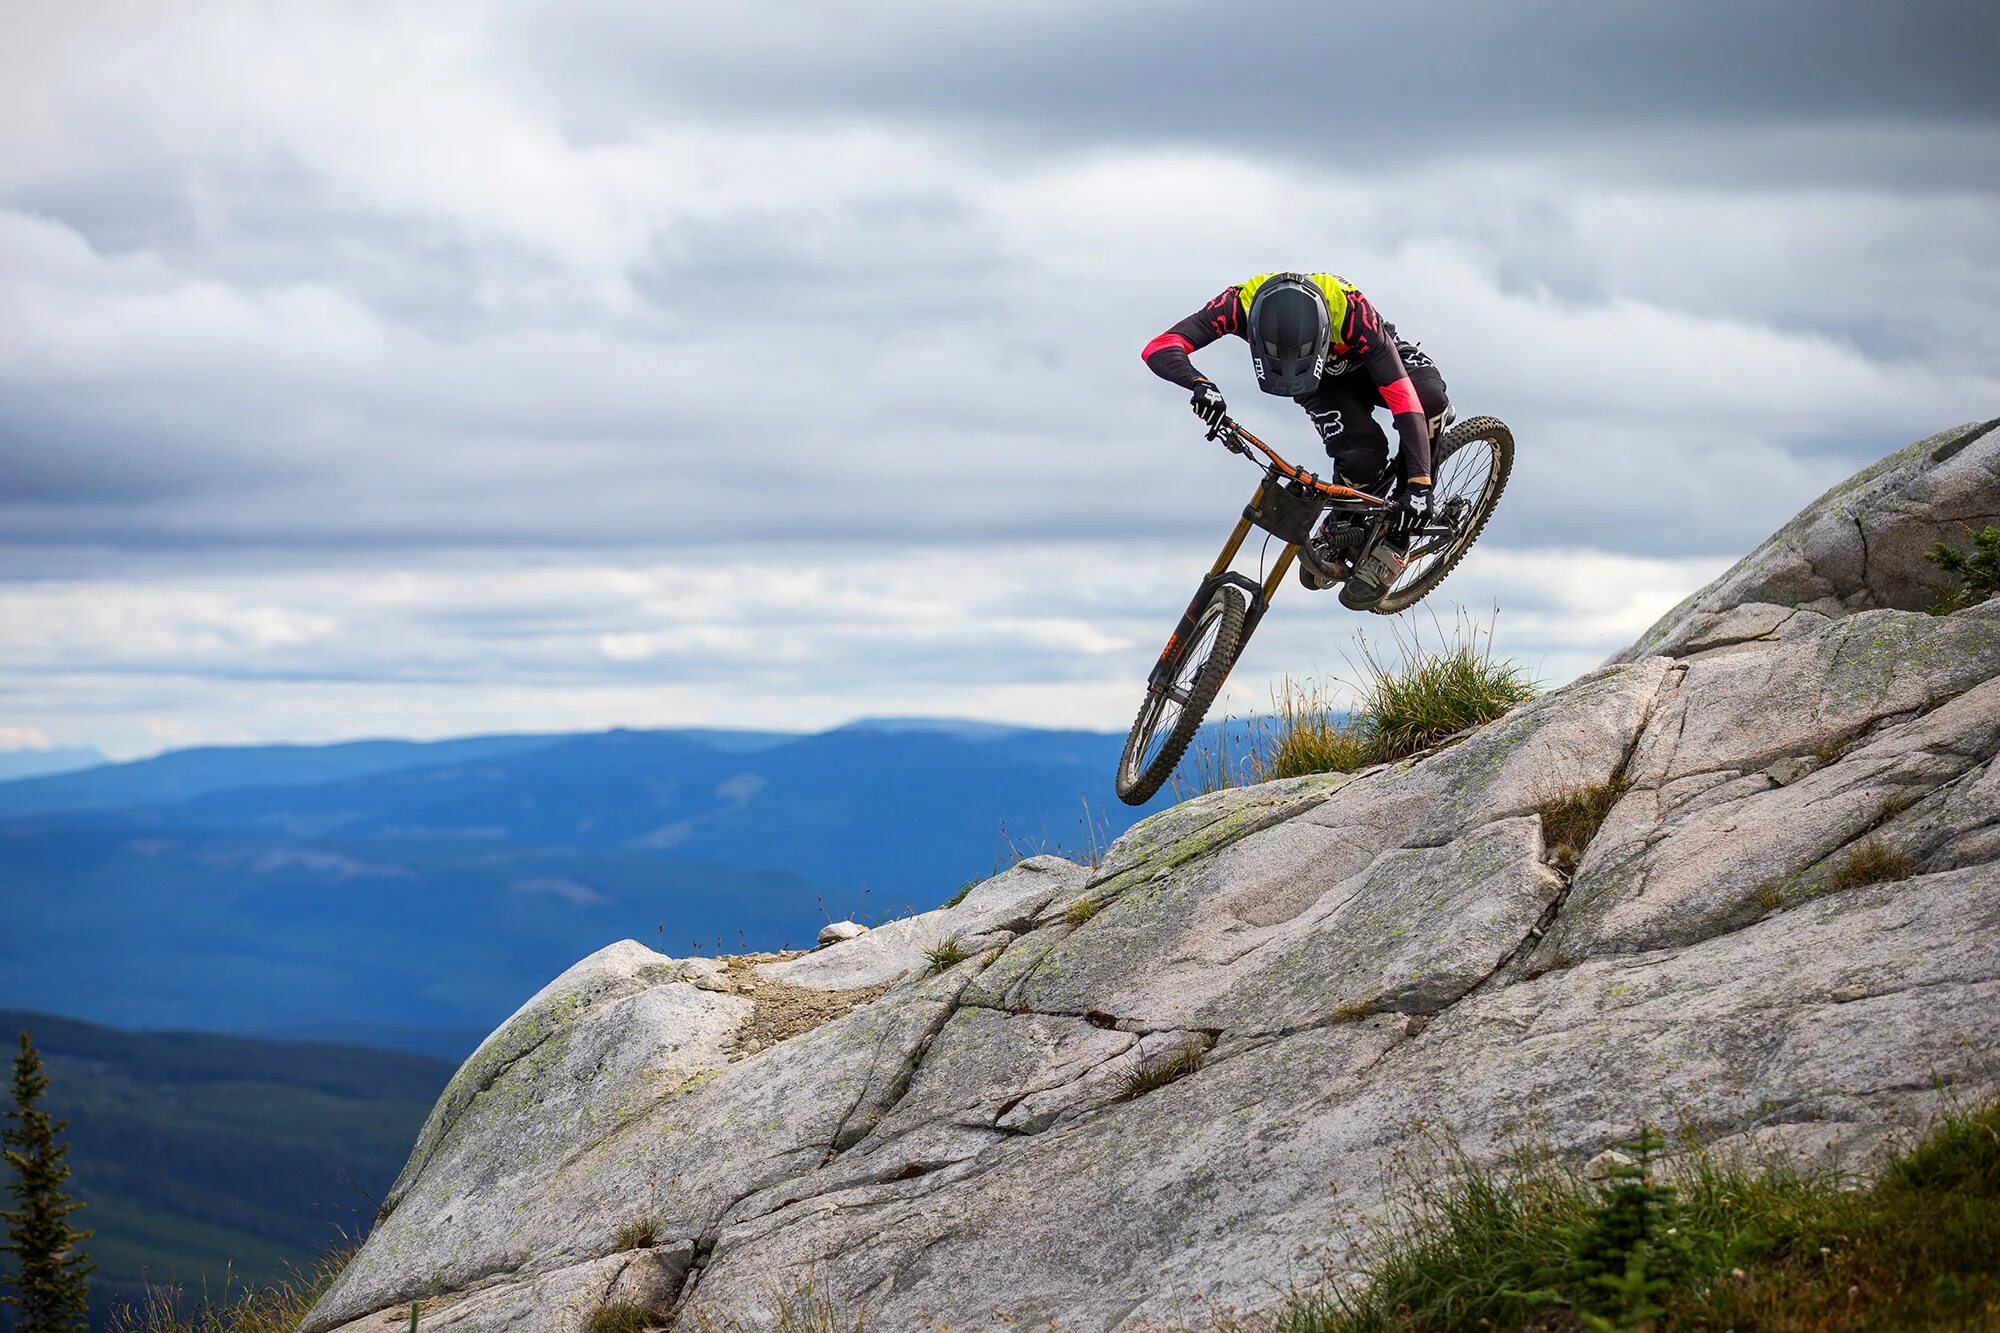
(203, 1157)
(34, 763)
(406, 893)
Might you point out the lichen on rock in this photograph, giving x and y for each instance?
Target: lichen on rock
(1334, 971)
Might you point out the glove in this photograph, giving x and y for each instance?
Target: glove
(1414, 504)
(1208, 405)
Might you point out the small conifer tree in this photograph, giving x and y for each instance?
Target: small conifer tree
(48, 1287)
(1631, 1249)
(1978, 571)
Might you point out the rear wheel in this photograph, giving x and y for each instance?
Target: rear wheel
(1470, 470)
(1170, 716)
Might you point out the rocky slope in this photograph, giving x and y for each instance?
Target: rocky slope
(1357, 962)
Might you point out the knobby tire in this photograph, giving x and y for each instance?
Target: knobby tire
(1476, 430)
(1136, 786)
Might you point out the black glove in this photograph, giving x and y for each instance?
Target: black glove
(1208, 405)
(1413, 504)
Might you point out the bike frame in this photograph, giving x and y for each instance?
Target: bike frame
(1287, 503)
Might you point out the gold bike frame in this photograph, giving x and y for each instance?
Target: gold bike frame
(1235, 544)
(1279, 466)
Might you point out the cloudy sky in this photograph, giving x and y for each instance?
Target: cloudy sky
(371, 369)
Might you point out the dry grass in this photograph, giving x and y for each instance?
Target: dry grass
(805, 1307)
(1570, 819)
(639, 1235)
(1422, 696)
(1217, 761)
(1898, 803)
(1149, 1076)
(1084, 908)
(1426, 694)
(1432, 693)
(1873, 862)
(1306, 733)
(624, 1318)
(276, 1308)
(1093, 840)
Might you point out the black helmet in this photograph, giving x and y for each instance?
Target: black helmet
(1289, 331)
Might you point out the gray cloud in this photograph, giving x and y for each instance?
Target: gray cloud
(496, 304)
(1362, 82)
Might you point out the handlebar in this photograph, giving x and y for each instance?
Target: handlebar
(1238, 440)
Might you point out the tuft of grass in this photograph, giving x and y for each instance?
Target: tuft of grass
(804, 1307)
(963, 890)
(277, 1308)
(1770, 894)
(1570, 819)
(947, 953)
(625, 1318)
(1421, 698)
(640, 1234)
(1215, 762)
(1467, 1239)
(1873, 862)
(1353, 1011)
(1094, 832)
(1897, 804)
(1084, 908)
(1830, 751)
(1978, 571)
(1306, 733)
(1527, 1244)
(1426, 695)
(1147, 1077)
(1433, 693)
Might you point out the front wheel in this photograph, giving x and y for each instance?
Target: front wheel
(1171, 715)
(1473, 461)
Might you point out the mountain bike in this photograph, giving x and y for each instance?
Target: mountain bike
(1470, 465)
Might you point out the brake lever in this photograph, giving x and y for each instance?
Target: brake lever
(1225, 431)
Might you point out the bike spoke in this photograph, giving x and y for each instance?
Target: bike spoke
(1461, 481)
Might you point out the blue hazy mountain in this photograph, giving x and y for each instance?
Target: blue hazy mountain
(182, 773)
(413, 893)
(35, 763)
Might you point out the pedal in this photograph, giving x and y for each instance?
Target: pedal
(1318, 572)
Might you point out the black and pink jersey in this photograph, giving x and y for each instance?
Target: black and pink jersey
(1362, 342)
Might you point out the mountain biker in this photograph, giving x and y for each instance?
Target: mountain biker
(1317, 340)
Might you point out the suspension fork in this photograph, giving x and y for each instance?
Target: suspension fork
(1277, 576)
(1218, 573)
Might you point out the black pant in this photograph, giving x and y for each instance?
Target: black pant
(1343, 407)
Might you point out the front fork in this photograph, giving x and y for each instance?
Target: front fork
(1219, 573)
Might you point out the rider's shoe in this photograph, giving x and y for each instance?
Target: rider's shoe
(1374, 576)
